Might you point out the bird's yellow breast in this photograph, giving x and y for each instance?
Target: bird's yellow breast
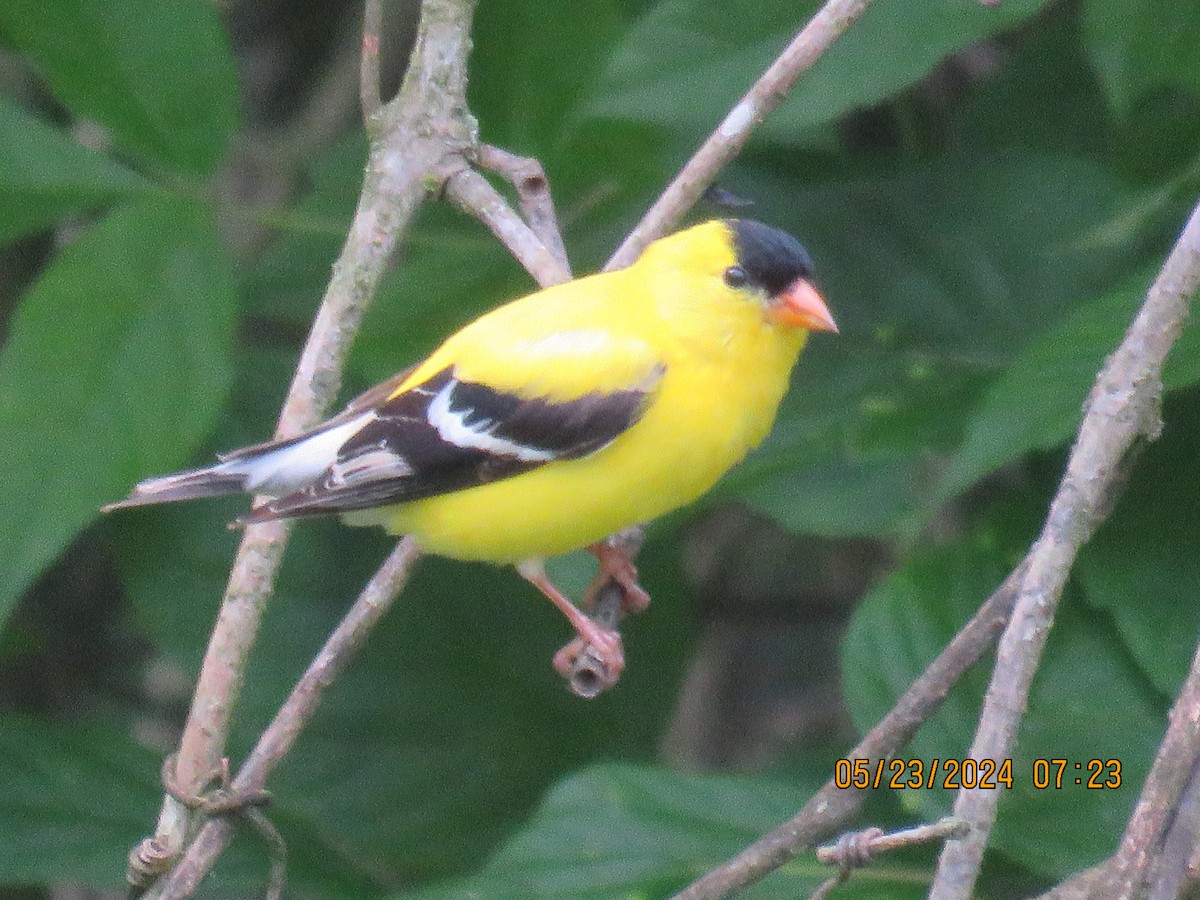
(724, 370)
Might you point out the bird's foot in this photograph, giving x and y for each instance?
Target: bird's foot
(615, 563)
(591, 663)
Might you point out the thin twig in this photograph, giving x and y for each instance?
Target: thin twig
(274, 743)
(1174, 867)
(588, 674)
(1123, 407)
(369, 90)
(831, 808)
(727, 141)
(276, 852)
(251, 581)
(528, 179)
(857, 848)
(828, 886)
(1157, 809)
(474, 194)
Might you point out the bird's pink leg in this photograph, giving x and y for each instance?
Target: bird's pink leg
(605, 642)
(615, 564)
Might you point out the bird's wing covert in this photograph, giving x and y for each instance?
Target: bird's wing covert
(448, 434)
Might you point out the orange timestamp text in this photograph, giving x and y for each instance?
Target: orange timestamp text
(1093, 774)
(985, 774)
(900, 774)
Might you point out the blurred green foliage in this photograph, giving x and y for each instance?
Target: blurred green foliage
(987, 192)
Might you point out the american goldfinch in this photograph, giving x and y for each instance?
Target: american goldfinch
(559, 418)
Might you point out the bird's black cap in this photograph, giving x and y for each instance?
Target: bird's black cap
(772, 258)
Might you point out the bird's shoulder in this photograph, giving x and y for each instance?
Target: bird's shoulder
(585, 337)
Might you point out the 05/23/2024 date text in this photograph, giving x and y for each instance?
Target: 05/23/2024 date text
(989, 774)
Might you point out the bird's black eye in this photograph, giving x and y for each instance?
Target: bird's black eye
(736, 277)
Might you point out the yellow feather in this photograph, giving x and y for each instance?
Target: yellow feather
(725, 369)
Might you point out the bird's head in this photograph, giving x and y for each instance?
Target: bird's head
(775, 267)
(740, 262)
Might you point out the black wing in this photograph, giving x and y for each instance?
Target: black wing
(445, 435)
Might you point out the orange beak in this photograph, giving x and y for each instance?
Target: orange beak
(800, 305)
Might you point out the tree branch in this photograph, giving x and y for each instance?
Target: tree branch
(731, 135)
(1157, 855)
(421, 135)
(831, 808)
(529, 180)
(1173, 871)
(274, 743)
(1136, 364)
(1123, 407)
(1158, 811)
(474, 195)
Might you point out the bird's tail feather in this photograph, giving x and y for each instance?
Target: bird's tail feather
(212, 481)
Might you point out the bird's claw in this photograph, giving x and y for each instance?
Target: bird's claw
(615, 564)
(593, 663)
(637, 599)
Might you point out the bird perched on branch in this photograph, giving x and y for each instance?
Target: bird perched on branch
(559, 418)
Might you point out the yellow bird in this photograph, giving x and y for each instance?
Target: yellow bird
(559, 418)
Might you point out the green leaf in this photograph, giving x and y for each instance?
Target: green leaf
(529, 70)
(161, 76)
(453, 269)
(625, 831)
(74, 799)
(1142, 567)
(1138, 46)
(44, 174)
(938, 276)
(1043, 96)
(686, 62)
(117, 363)
(77, 796)
(907, 620)
(286, 282)
(1037, 404)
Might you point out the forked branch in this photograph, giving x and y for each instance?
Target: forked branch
(1122, 409)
